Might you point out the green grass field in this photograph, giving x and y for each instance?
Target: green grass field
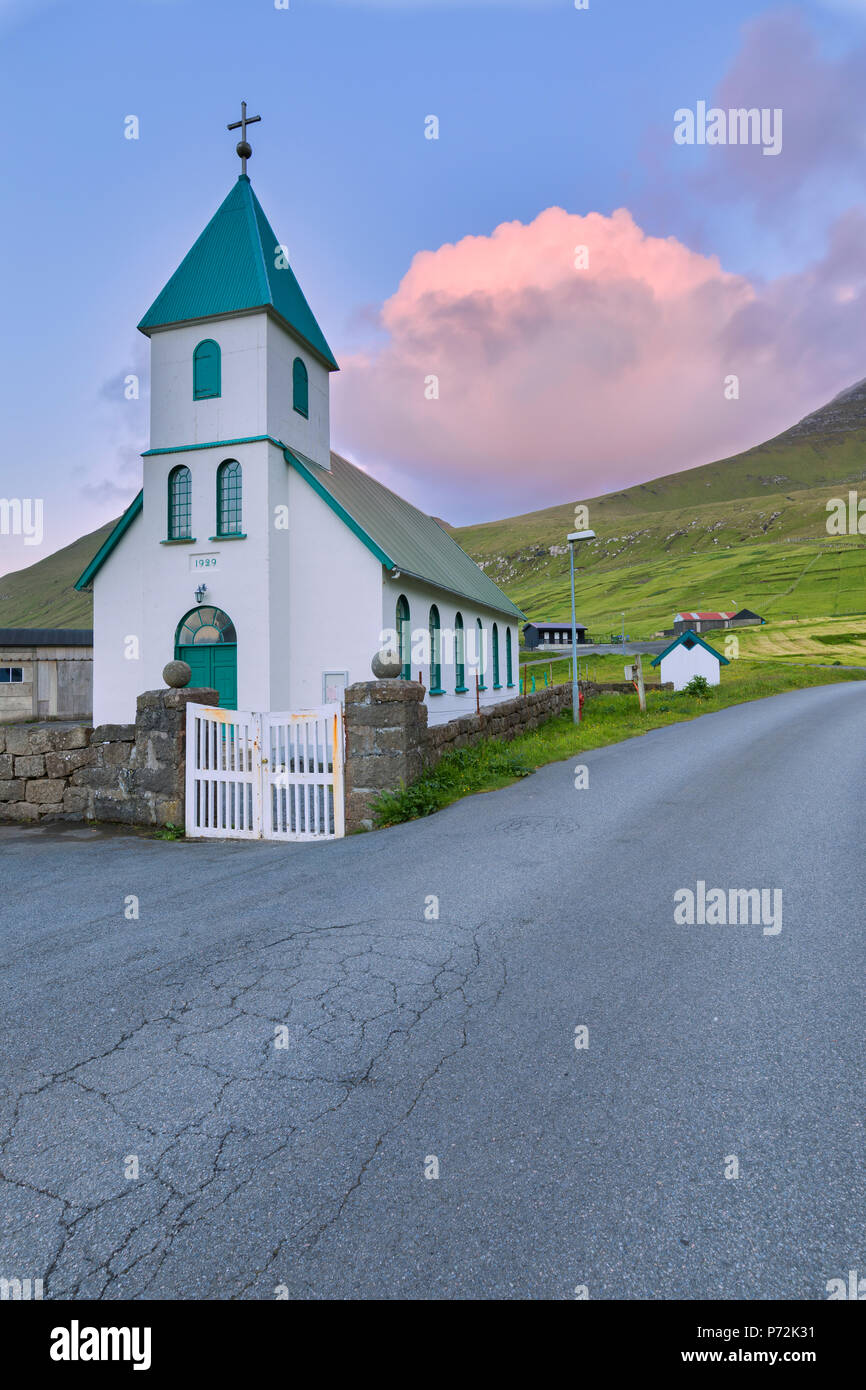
(779, 580)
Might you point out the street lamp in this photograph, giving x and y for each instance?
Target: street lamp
(573, 539)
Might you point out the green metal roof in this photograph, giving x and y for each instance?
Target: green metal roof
(401, 536)
(231, 268)
(84, 581)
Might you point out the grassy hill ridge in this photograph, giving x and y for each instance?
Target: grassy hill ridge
(747, 530)
(43, 595)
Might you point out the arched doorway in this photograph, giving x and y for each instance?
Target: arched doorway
(206, 639)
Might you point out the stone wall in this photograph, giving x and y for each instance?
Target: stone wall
(388, 740)
(505, 721)
(127, 773)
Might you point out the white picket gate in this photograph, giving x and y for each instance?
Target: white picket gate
(263, 775)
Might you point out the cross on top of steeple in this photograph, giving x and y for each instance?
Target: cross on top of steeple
(244, 148)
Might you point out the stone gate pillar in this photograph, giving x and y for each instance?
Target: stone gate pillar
(386, 730)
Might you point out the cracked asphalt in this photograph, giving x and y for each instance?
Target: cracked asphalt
(300, 1167)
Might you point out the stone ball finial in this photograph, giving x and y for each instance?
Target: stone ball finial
(386, 665)
(177, 674)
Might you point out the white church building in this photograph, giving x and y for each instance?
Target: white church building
(271, 565)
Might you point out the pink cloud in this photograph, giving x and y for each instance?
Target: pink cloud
(558, 383)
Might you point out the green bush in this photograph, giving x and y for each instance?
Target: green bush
(698, 686)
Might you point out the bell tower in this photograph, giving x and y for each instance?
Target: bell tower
(236, 352)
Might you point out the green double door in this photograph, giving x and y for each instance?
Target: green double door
(215, 665)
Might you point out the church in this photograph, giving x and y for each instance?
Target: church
(271, 565)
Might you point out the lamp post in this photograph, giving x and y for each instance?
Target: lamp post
(623, 632)
(573, 538)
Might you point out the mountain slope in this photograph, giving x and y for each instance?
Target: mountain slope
(43, 595)
(737, 530)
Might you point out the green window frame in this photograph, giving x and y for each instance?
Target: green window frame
(229, 499)
(301, 387)
(481, 671)
(497, 684)
(206, 370)
(435, 653)
(460, 655)
(180, 504)
(509, 663)
(404, 638)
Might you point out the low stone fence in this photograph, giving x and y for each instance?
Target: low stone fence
(127, 773)
(388, 740)
(505, 721)
(621, 687)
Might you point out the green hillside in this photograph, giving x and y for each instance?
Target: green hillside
(748, 531)
(43, 595)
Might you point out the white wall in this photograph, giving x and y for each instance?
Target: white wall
(257, 358)
(441, 708)
(239, 413)
(333, 599)
(311, 436)
(680, 665)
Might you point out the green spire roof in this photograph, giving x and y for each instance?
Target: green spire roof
(232, 267)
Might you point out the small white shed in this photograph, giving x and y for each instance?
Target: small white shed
(689, 655)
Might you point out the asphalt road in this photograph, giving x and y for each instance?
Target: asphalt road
(407, 1039)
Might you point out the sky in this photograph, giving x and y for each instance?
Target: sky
(583, 287)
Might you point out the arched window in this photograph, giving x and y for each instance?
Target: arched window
(229, 499)
(300, 388)
(179, 504)
(204, 625)
(404, 638)
(435, 653)
(206, 374)
(509, 667)
(497, 684)
(481, 672)
(460, 654)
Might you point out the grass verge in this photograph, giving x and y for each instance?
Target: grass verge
(606, 719)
